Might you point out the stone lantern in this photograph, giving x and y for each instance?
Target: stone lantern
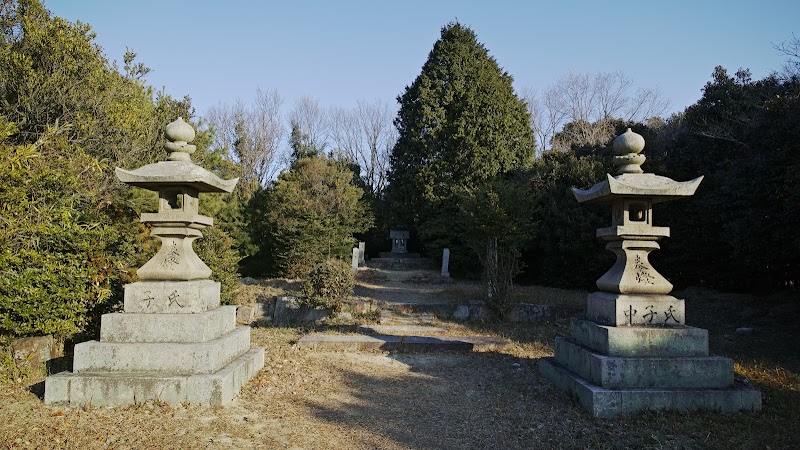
(173, 342)
(634, 351)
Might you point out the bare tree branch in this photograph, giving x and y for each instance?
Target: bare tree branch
(312, 121)
(250, 135)
(791, 49)
(587, 104)
(366, 135)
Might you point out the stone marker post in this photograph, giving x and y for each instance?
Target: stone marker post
(634, 351)
(362, 247)
(173, 342)
(355, 259)
(446, 262)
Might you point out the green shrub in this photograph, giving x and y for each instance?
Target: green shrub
(61, 253)
(215, 249)
(310, 213)
(328, 284)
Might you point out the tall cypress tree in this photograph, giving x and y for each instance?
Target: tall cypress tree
(460, 125)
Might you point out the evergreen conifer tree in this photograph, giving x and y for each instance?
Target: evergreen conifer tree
(460, 124)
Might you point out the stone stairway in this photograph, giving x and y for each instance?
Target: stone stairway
(402, 332)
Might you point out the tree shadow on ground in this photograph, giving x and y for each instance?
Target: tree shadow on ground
(770, 323)
(467, 400)
(494, 400)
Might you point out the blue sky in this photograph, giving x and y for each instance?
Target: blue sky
(343, 51)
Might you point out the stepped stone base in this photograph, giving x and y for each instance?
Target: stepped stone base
(640, 341)
(616, 371)
(609, 403)
(119, 389)
(162, 357)
(644, 372)
(146, 327)
(174, 343)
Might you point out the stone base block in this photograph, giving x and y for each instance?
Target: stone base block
(644, 372)
(401, 343)
(171, 296)
(640, 341)
(145, 327)
(34, 351)
(395, 255)
(119, 389)
(165, 358)
(289, 310)
(607, 308)
(348, 342)
(610, 403)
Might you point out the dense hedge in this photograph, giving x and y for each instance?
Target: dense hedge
(61, 257)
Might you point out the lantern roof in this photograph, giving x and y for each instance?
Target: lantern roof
(178, 170)
(658, 188)
(631, 181)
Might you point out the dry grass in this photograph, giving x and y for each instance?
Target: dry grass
(333, 400)
(425, 286)
(255, 291)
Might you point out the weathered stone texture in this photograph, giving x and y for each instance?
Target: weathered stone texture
(173, 342)
(634, 351)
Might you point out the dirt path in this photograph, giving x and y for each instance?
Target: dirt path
(410, 286)
(428, 287)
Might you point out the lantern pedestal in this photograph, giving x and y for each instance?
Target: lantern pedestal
(174, 343)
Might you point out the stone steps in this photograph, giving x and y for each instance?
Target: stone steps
(520, 313)
(397, 263)
(402, 332)
(394, 316)
(319, 341)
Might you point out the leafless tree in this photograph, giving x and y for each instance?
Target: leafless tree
(366, 135)
(578, 108)
(790, 49)
(251, 134)
(545, 116)
(611, 93)
(312, 120)
(646, 104)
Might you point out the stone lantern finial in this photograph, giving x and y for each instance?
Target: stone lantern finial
(627, 147)
(179, 134)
